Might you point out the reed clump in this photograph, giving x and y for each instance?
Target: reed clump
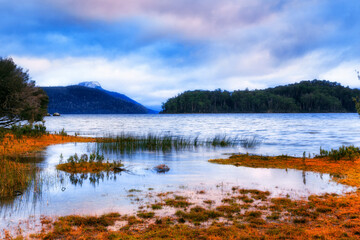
(93, 163)
(344, 153)
(158, 142)
(15, 177)
(28, 130)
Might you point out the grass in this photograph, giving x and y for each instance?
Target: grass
(13, 147)
(177, 202)
(250, 142)
(342, 170)
(344, 152)
(198, 214)
(94, 163)
(26, 130)
(328, 216)
(156, 206)
(15, 178)
(127, 143)
(287, 219)
(146, 214)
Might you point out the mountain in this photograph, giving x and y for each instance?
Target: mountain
(316, 96)
(90, 98)
(91, 84)
(97, 85)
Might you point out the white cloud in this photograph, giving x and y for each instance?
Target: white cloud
(344, 73)
(151, 81)
(193, 18)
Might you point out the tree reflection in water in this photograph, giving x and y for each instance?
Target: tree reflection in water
(93, 178)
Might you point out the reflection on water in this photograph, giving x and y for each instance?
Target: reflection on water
(93, 178)
(63, 193)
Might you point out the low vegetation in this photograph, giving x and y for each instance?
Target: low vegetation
(177, 202)
(93, 163)
(13, 146)
(341, 164)
(344, 152)
(241, 214)
(15, 178)
(127, 143)
(327, 216)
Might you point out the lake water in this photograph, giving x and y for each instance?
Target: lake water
(290, 134)
(63, 194)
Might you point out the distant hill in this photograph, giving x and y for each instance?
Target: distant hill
(316, 96)
(90, 98)
(97, 85)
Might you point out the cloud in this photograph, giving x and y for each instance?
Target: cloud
(192, 18)
(152, 81)
(153, 49)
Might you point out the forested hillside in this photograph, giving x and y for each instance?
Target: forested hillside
(85, 100)
(304, 97)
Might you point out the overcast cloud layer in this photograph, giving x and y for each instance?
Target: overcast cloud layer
(151, 50)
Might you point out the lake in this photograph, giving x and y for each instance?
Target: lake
(292, 134)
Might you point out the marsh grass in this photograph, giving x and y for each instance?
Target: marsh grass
(15, 177)
(250, 142)
(93, 163)
(127, 143)
(344, 152)
(177, 202)
(29, 130)
(198, 214)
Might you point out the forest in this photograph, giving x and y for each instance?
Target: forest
(315, 96)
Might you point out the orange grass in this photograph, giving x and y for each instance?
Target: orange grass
(328, 216)
(88, 167)
(12, 146)
(14, 177)
(320, 217)
(343, 171)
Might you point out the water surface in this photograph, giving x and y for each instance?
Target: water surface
(57, 193)
(290, 134)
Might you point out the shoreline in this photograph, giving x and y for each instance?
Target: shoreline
(243, 213)
(25, 146)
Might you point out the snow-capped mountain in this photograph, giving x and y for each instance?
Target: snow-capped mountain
(92, 84)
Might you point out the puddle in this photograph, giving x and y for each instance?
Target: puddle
(64, 194)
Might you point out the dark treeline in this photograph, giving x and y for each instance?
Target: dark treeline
(304, 97)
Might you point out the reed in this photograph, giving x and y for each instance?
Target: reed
(344, 152)
(250, 142)
(93, 163)
(127, 143)
(15, 178)
(29, 130)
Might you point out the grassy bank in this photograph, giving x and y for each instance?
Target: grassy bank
(344, 167)
(16, 176)
(94, 163)
(12, 146)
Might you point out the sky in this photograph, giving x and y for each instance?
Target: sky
(151, 50)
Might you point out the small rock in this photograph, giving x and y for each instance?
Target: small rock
(56, 114)
(162, 168)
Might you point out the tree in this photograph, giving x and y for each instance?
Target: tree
(20, 99)
(357, 104)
